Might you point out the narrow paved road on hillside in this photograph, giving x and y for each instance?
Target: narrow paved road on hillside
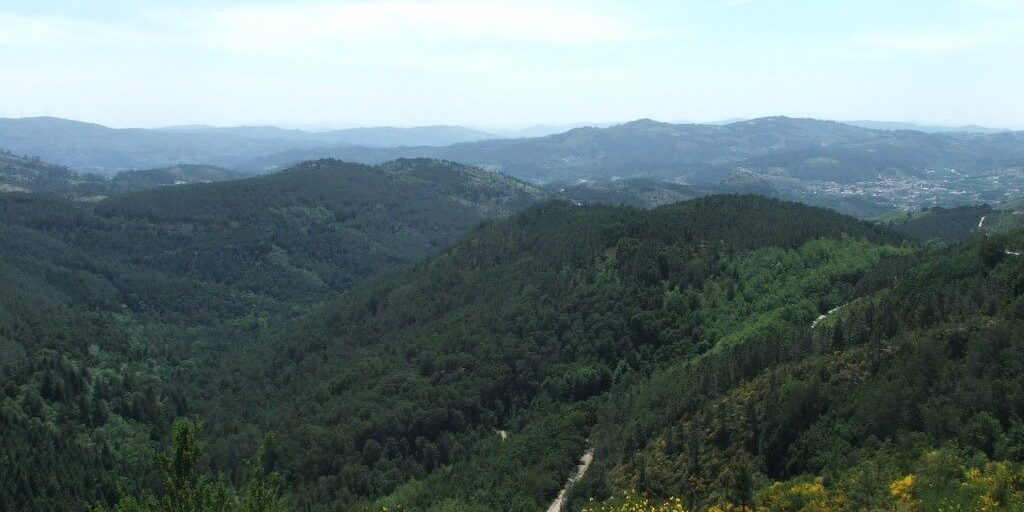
(585, 460)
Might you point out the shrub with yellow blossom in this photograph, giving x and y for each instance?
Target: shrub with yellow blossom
(800, 495)
(996, 486)
(902, 490)
(630, 501)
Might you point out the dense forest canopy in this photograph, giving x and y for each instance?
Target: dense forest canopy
(107, 306)
(937, 225)
(422, 335)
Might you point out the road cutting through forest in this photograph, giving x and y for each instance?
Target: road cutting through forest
(581, 469)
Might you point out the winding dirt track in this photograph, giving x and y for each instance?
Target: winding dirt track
(585, 460)
(822, 317)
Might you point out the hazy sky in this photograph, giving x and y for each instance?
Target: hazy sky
(511, 63)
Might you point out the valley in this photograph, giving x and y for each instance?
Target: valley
(511, 256)
(552, 325)
(385, 321)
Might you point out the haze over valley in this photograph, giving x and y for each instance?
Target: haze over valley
(860, 171)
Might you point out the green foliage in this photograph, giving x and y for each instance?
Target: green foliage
(32, 175)
(112, 325)
(186, 489)
(903, 370)
(27, 174)
(411, 374)
(943, 225)
(650, 193)
(683, 344)
(947, 225)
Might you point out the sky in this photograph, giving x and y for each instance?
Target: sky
(511, 64)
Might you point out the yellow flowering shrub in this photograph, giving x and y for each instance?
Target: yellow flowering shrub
(728, 507)
(799, 496)
(996, 485)
(902, 491)
(903, 488)
(630, 501)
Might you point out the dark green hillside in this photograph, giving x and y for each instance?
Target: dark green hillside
(908, 396)
(943, 224)
(523, 327)
(82, 397)
(297, 237)
(28, 174)
(647, 193)
(315, 229)
(726, 350)
(946, 225)
(1008, 216)
(32, 175)
(640, 193)
(304, 234)
(114, 321)
(178, 175)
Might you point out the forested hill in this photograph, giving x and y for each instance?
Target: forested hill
(145, 179)
(301, 235)
(907, 398)
(25, 174)
(106, 309)
(336, 185)
(644, 193)
(727, 351)
(316, 229)
(32, 175)
(524, 326)
(946, 225)
(943, 225)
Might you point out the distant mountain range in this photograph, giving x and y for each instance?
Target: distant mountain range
(862, 171)
(641, 148)
(927, 128)
(381, 136)
(99, 149)
(801, 149)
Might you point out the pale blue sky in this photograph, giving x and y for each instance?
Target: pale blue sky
(511, 63)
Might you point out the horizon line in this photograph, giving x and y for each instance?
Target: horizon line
(320, 127)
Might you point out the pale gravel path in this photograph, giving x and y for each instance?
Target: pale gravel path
(585, 460)
(826, 315)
